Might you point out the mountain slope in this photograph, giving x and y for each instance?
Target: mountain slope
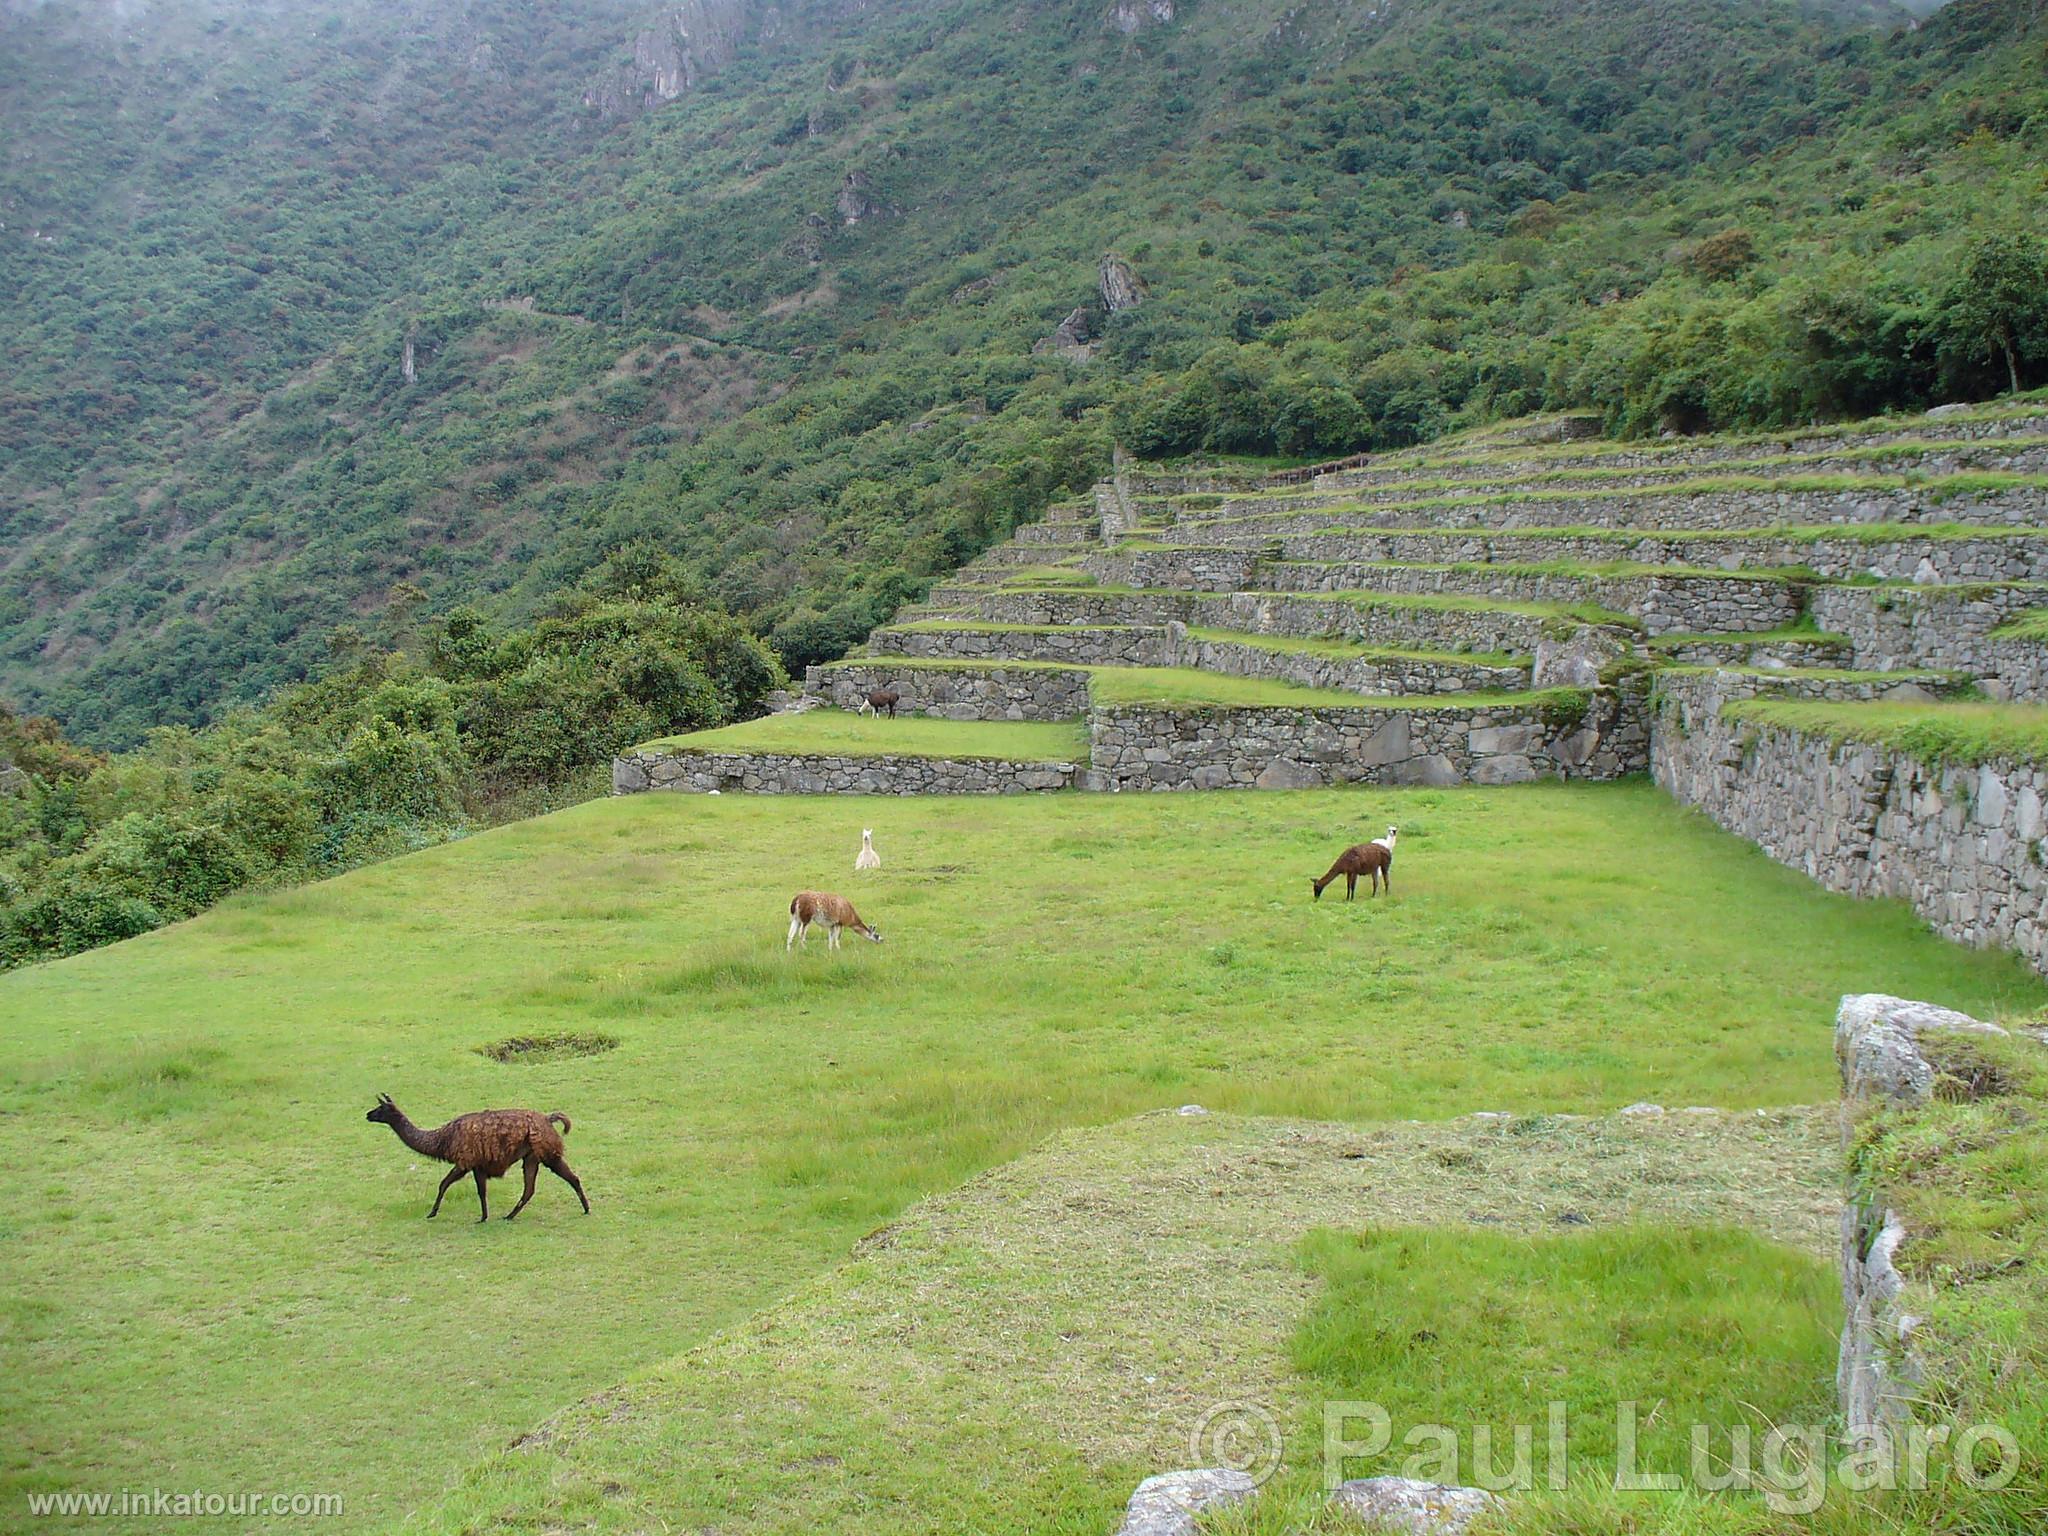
(785, 323)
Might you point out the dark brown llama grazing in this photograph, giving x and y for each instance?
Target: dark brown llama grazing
(881, 701)
(1374, 860)
(484, 1145)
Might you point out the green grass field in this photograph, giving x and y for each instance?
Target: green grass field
(844, 733)
(216, 1273)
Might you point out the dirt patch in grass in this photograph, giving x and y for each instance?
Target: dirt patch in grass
(549, 1047)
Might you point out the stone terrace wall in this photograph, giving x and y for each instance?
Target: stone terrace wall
(1665, 604)
(774, 773)
(957, 693)
(1893, 627)
(2020, 558)
(1649, 510)
(1416, 628)
(1188, 568)
(1962, 844)
(1144, 646)
(1352, 674)
(1149, 749)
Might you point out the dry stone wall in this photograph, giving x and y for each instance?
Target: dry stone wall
(1351, 674)
(1009, 692)
(1961, 843)
(1150, 749)
(775, 773)
(1136, 646)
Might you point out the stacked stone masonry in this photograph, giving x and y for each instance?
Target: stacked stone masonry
(1962, 844)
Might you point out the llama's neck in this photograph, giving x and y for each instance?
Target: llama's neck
(426, 1143)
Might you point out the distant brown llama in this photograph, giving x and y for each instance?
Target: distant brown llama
(484, 1145)
(882, 701)
(1374, 860)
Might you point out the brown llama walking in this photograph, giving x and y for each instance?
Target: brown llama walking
(882, 701)
(484, 1145)
(1374, 860)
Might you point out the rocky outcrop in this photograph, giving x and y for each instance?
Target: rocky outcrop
(677, 50)
(1133, 16)
(1877, 1045)
(1069, 339)
(1119, 287)
(857, 200)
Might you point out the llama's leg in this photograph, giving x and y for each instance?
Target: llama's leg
(1350, 886)
(567, 1175)
(532, 1170)
(794, 924)
(483, 1201)
(446, 1185)
(832, 937)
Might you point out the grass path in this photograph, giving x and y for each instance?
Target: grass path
(214, 1273)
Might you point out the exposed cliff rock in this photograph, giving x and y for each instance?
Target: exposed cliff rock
(857, 200)
(1129, 16)
(676, 50)
(1070, 337)
(1120, 287)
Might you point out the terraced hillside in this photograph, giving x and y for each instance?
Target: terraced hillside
(1493, 609)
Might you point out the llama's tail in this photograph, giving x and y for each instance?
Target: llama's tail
(560, 1119)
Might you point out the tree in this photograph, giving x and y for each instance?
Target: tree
(1997, 307)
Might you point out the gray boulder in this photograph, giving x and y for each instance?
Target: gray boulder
(1877, 1045)
(1166, 1505)
(1408, 1504)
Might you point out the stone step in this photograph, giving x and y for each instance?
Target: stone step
(1661, 598)
(1941, 629)
(1677, 508)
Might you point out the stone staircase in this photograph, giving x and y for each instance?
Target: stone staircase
(1491, 609)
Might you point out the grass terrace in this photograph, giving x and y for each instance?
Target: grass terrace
(843, 733)
(1350, 650)
(1959, 732)
(1452, 602)
(2026, 626)
(1791, 635)
(191, 1106)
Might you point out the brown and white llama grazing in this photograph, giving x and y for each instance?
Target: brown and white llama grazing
(881, 701)
(484, 1145)
(830, 912)
(1374, 860)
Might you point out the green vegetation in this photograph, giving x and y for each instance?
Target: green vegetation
(1187, 688)
(1356, 228)
(1451, 1326)
(191, 1103)
(1966, 1173)
(1022, 1303)
(842, 733)
(1949, 732)
(2032, 625)
(456, 725)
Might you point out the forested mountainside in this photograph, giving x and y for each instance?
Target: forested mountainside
(305, 302)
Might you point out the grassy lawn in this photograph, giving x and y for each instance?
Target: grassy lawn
(844, 733)
(1012, 1356)
(1962, 732)
(215, 1273)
